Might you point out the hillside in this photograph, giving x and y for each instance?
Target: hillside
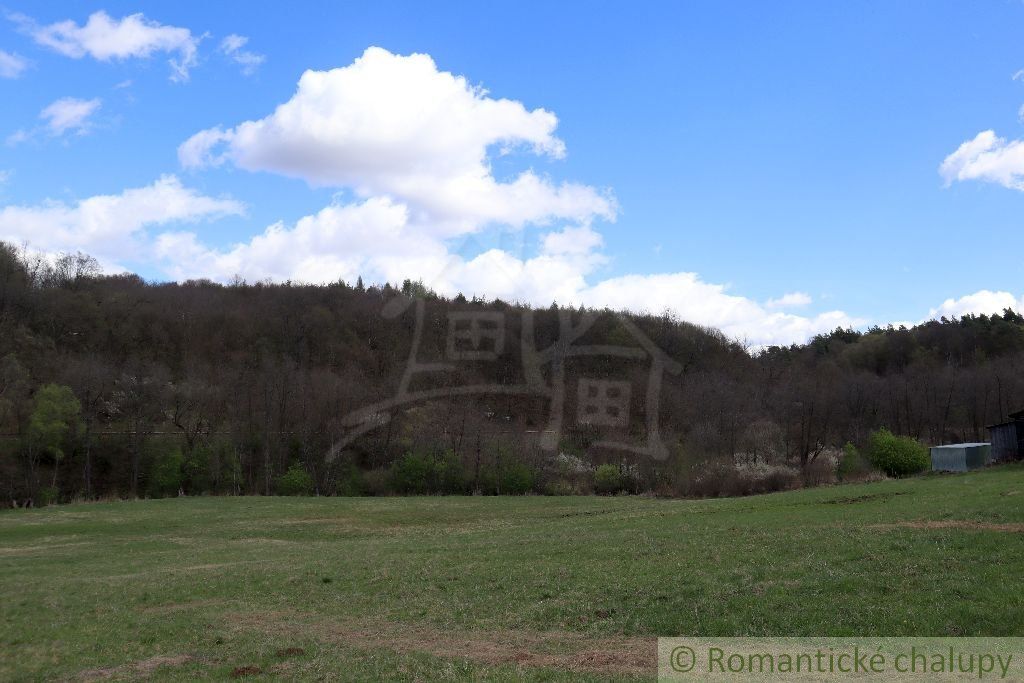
(201, 387)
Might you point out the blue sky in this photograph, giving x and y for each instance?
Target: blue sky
(743, 151)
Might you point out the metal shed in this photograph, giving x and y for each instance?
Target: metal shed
(1008, 438)
(960, 457)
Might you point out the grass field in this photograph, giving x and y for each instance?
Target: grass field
(503, 588)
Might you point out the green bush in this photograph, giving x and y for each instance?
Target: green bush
(852, 464)
(897, 456)
(449, 475)
(165, 474)
(415, 473)
(516, 479)
(607, 479)
(376, 482)
(350, 482)
(559, 487)
(295, 482)
(411, 473)
(196, 470)
(49, 495)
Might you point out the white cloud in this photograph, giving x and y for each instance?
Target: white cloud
(12, 65)
(104, 38)
(395, 125)
(983, 301)
(17, 137)
(988, 158)
(416, 144)
(790, 300)
(379, 240)
(232, 46)
(694, 300)
(69, 114)
(110, 227)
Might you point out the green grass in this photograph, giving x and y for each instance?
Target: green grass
(502, 588)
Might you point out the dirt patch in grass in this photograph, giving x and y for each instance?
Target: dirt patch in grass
(866, 498)
(173, 570)
(966, 525)
(142, 668)
(242, 671)
(171, 607)
(564, 651)
(32, 549)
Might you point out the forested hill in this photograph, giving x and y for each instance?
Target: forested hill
(113, 386)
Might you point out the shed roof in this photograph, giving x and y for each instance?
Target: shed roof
(963, 445)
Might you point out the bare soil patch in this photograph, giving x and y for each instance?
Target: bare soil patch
(144, 667)
(967, 525)
(565, 651)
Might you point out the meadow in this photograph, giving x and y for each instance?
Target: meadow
(504, 588)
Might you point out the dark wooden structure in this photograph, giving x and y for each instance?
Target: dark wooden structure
(1008, 438)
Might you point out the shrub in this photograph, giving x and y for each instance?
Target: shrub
(449, 476)
(516, 479)
(415, 473)
(196, 469)
(853, 466)
(714, 479)
(350, 482)
(607, 479)
(821, 471)
(295, 482)
(559, 487)
(897, 456)
(376, 482)
(49, 495)
(410, 473)
(165, 474)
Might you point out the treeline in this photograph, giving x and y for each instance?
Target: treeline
(112, 386)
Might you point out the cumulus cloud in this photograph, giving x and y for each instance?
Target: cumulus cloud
(398, 126)
(377, 239)
(790, 300)
(416, 145)
(692, 299)
(233, 48)
(12, 65)
(104, 38)
(110, 227)
(66, 115)
(989, 158)
(69, 114)
(980, 302)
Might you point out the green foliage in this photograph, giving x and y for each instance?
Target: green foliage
(852, 464)
(55, 411)
(419, 474)
(350, 481)
(295, 482)
(608, 479)
(196, 469)
(49, 495)
(897, 456)
(376, 482)
(507, 476)
(516, 479)
(411, 474)
(166, 475)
